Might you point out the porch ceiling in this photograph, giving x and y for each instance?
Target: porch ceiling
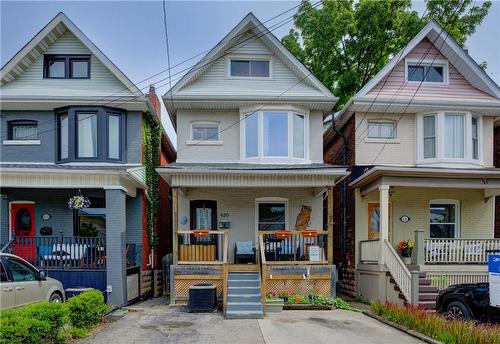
(486, 179)
(251, 175)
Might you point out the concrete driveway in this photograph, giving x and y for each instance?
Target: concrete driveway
(159, 323)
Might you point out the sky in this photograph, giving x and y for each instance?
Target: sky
(131, 33)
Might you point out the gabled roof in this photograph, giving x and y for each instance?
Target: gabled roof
(249, 22)
(44, 39)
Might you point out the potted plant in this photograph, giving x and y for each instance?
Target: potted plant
(78, 202)
(285, 294)
(405, 249)
(274, 303)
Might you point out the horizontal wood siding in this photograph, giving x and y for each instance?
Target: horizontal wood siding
(458, 88)
(32, 83)
(215, 81)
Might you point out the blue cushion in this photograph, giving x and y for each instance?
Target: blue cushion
(244, 247)
(45, 250)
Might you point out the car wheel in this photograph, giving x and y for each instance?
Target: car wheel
(55, 297)
(458, 310)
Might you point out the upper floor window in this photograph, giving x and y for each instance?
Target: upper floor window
(449, 137)
(205, 131)
(90, 133)
(435, 72)
(23, 130)
(67, 66)
(382, 130)
(250, 68)
(274, 135)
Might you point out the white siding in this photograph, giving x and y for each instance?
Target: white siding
(240, 205)
(32, 83)
(214, 81)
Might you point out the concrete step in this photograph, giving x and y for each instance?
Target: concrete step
(244, 306)
(243, 276)
(243, 290)
(244, 314)
(427, 289)
(244, 298)
(243, 283)
(427, 297)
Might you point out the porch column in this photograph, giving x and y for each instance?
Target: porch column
(384, 219)
(116, 224)
(4, 219)
(175, 224)
(330, 224)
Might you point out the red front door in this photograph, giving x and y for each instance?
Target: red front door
(22, 219)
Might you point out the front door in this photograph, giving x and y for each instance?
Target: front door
(22, 220)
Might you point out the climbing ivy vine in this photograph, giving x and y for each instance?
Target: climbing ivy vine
(152, 137)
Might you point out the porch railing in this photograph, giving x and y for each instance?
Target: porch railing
(369, 251)
(399, 271)
(202, 248)
(60, 252)
(293, 248)
(458, 251)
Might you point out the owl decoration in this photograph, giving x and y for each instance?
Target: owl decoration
(303, 218)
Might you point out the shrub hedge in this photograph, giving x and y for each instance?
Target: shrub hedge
(44, 322)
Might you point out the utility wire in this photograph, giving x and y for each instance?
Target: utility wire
(168, 51)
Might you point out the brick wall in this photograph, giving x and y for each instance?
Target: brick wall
(343, 256)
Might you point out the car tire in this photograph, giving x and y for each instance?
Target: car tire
(55, 297)
(458, 310)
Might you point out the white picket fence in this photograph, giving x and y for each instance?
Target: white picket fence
(443, 280)
(458, 251)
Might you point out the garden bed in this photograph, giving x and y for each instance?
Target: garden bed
(307, 307)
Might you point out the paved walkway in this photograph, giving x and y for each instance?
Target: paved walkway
(159, 323)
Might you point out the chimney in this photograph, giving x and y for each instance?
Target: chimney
(153, 98)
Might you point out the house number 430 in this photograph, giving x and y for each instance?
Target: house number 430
(224, 215)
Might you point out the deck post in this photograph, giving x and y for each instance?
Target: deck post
(418, 257)
(384, 219)
(415, 277)
(175, 223)
(330, 225)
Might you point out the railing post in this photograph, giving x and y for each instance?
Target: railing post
(415, 276)
(175, 222)
(418, 256)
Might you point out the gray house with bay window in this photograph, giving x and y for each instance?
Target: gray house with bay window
(72, 125)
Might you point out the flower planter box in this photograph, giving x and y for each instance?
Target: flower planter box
(274, 306)
(306, 307)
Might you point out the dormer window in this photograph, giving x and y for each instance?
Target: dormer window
(449, 137)
(66, 66)
(431, 72)
(249, 68)
(274, 136)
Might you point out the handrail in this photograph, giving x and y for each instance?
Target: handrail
(398, 270)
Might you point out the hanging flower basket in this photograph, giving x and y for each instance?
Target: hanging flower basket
(309, 233)
(200, 233)
(78, 202)
(282, 234)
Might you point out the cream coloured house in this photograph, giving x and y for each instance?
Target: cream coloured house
(422, 170)
(250, 185)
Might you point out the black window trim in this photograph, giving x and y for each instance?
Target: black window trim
(102, 133)
(67, 58)
(14, 122)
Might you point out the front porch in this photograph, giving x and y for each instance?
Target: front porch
(237, 221)
(449, 215)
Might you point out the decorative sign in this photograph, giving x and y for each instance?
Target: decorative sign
(494, 272)
(404, 219)
(46, 216)
(224, 224)
(314, 253)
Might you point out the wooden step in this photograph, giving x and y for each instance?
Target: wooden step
(424, 281)
(427, 297)
(427, 289)
(427, 305)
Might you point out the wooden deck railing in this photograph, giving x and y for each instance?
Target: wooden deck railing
(202, 247)
(458, 251)
(60, 252)
(369, 251)
(398, 270)
(294, 247)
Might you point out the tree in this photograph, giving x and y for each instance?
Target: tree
(345, 42)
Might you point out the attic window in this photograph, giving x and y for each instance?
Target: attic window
(249, 68)
(427, 72)
(66, 67)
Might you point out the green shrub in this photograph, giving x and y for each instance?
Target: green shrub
(86, 309)
(54, 313)
(78, 333)
(18, 329)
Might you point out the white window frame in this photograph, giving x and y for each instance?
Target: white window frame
(250, 58)
(291, 110)
(382, 139)
(456, 203)
(440, 160)
(192, 141)
(427, 63)
(277, 200)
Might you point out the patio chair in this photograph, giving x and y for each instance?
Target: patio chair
(244, 252)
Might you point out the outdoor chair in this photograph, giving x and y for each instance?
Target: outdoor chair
(244, 252)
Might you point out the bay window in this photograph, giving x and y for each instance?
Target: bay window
(277, 136)
(445, 137)
(90, 133)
